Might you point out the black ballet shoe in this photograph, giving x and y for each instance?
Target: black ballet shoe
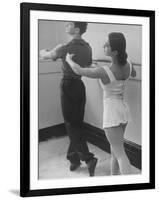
(92, 165)
(74, 166)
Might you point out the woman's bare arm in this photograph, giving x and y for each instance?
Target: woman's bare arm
(95, 72)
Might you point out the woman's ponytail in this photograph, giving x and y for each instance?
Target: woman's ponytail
(118, 43)
(122, 58)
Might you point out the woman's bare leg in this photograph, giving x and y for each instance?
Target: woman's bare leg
(114, 164)
(115, 136)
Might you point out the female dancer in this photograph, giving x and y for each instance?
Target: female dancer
(116, 111)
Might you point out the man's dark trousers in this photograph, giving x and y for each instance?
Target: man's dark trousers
(73, 99)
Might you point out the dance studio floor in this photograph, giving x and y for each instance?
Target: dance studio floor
(53, 163)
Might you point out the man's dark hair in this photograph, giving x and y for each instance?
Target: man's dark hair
(82, 26)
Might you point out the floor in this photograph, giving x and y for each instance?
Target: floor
(54, 165)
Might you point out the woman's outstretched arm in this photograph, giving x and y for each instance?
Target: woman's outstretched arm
(95, 72)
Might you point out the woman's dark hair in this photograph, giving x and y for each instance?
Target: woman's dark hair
(118, 42)
(82, 26)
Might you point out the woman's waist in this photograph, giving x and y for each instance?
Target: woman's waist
(113, 96)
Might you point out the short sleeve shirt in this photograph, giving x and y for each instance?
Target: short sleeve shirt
(82, 55)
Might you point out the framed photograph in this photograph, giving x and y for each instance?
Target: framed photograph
(87, 99)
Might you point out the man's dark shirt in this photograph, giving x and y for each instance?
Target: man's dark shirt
(82, 55)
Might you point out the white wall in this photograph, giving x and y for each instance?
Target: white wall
(50, 34)
(97, 35)
(49, 94)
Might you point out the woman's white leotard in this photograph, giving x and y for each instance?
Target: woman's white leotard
(116, 110)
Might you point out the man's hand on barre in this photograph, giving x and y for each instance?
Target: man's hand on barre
(44, 54)
(50, 54)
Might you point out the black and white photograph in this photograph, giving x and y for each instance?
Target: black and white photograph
(80, 106)
(86, 78)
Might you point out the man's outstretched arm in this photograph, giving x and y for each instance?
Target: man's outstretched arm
(53, 54)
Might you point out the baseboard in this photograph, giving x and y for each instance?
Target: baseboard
(97, 137)
(52, 131)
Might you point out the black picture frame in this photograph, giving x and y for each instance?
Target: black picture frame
(25, 9)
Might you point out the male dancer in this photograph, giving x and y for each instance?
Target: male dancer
(73, 95)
